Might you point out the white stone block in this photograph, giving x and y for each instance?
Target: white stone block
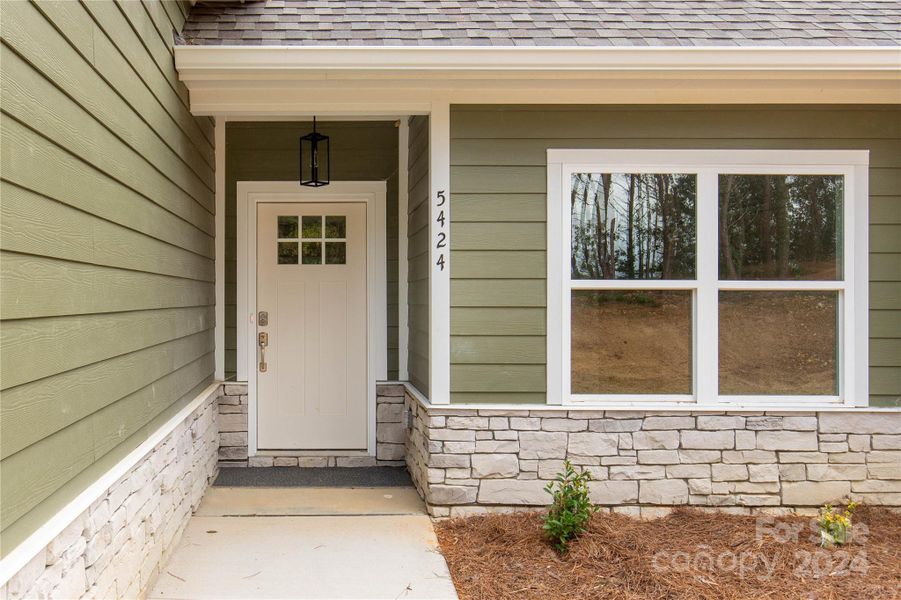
(668, 423)
(655, 440)
(555, 424)
(513, 491)
(467, 423)
(719, 422)
(613, 492)
(491, 466)
(688, 472)
(542, 444)
(708, 440)
(814, 493)
(658, 457)
(887, 442)
(663, 491)
(787, 440)
(590, 444)
(525, 423)
(260, 461)
(763, 473)
(614, 425)
(452, 494)
(628, 472)
(24, 579)
(495, 446)
(860, 422)
(725, 472)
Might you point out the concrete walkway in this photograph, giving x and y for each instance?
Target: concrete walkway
(325, 543)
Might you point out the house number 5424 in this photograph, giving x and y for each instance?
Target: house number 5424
(441, 236)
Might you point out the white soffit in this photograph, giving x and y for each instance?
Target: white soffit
(218, 74)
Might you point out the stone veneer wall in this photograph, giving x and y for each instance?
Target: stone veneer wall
(116, 548)
(390, 432)
(470, 460)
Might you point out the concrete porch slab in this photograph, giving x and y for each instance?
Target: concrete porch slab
(306, 543)
(245, 501)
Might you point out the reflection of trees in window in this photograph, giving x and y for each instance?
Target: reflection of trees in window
(780, 226)
(633, 226)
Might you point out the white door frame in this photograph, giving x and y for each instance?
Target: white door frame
(372, 193)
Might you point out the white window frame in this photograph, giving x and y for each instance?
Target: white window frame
(853, 165)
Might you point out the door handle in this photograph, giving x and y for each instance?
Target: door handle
(262, 342)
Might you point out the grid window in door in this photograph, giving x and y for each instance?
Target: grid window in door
(314, 239)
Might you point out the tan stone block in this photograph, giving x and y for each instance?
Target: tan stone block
(525, 424)
(390, 413)
(745, 440)
(588, 444)
(506, 435)
(884, 471)
(491, 466)
(708, 440)
(232, 422)
(513, 491)
(452, 435)
(542, 444)
(836, 472)
(719, 422)
(621, 472)
(688, 471)
(814, 493)
(613, 492)
(494, 446)
(749, 456)
(449, 460)
(284, 461)
(654, 423)
(861, 422)
(554, 424)
(459, 447)
(887, 442)
(763, 473)
(312, 461)
(663, 491)
(787, 440)
(859, 443)
(499, 423)
(389, 452)
(614, 425)
(655, 440)
(729, 472)
(658, 457)
(451, 494)
(260, 461)
(699, 456)
(468, 422)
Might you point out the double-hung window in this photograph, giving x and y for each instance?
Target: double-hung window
(707, 277)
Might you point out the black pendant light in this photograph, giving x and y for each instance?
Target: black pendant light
(314, 159)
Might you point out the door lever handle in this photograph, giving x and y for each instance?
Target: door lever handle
(262, 342)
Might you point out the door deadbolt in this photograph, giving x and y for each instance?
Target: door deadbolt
(263, 318)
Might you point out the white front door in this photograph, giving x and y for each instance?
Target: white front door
(311, 285)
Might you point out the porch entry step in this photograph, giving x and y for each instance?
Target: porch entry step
(310, 502)
(329, 477)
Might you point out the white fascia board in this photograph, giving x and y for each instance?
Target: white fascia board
(198, 59)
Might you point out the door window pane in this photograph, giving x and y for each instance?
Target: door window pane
(312, 253)
(780, 226)
(633, 226)
(287, 227)
(336, 227)
(335, 253)
(631, 342)
(287, 253)
(778, 343)
(312, 227)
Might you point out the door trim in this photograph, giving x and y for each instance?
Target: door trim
(373, 194)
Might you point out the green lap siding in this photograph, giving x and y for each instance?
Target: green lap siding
(499, 182)
(418, 253)
(359, 151)
(106, 246)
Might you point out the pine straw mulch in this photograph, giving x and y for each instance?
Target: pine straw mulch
(688, 555)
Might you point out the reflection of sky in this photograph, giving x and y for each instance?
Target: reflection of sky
(646, 205)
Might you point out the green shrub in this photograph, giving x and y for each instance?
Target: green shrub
(572, 508)
(835, 527)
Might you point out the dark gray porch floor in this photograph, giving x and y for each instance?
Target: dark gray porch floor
(340, 477)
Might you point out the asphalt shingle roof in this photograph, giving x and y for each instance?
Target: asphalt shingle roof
(546, 23)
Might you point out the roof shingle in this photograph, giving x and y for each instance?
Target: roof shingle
(545, 23)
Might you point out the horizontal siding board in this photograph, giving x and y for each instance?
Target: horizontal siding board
(886, 238)
(498, 378)
(498, 180)
(499, 208)
(68, 179)
(885, 267)
(36, 410)
(885, 352)
(498, 264)
(34, 349)
(885, 380)
(30, 476)
(497, 398)
(498, 350)
(885, 323)
(690, 122)
(34, 286)
(885, 210)
(885, 295)
(533, 152)
(497, 292)
(39, 43)
(33, 224)
(498, 236)
(498, 321)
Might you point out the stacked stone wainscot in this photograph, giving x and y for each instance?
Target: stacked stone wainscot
(116, 548)
(643, 462)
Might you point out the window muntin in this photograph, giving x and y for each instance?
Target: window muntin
(839, 379)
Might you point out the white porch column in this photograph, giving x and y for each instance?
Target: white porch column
(439, 254)
(219, 334)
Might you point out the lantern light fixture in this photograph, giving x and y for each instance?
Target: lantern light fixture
(315, 163)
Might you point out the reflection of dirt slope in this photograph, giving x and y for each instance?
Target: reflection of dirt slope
(770, 343)
(777, 343)
(623, 346)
